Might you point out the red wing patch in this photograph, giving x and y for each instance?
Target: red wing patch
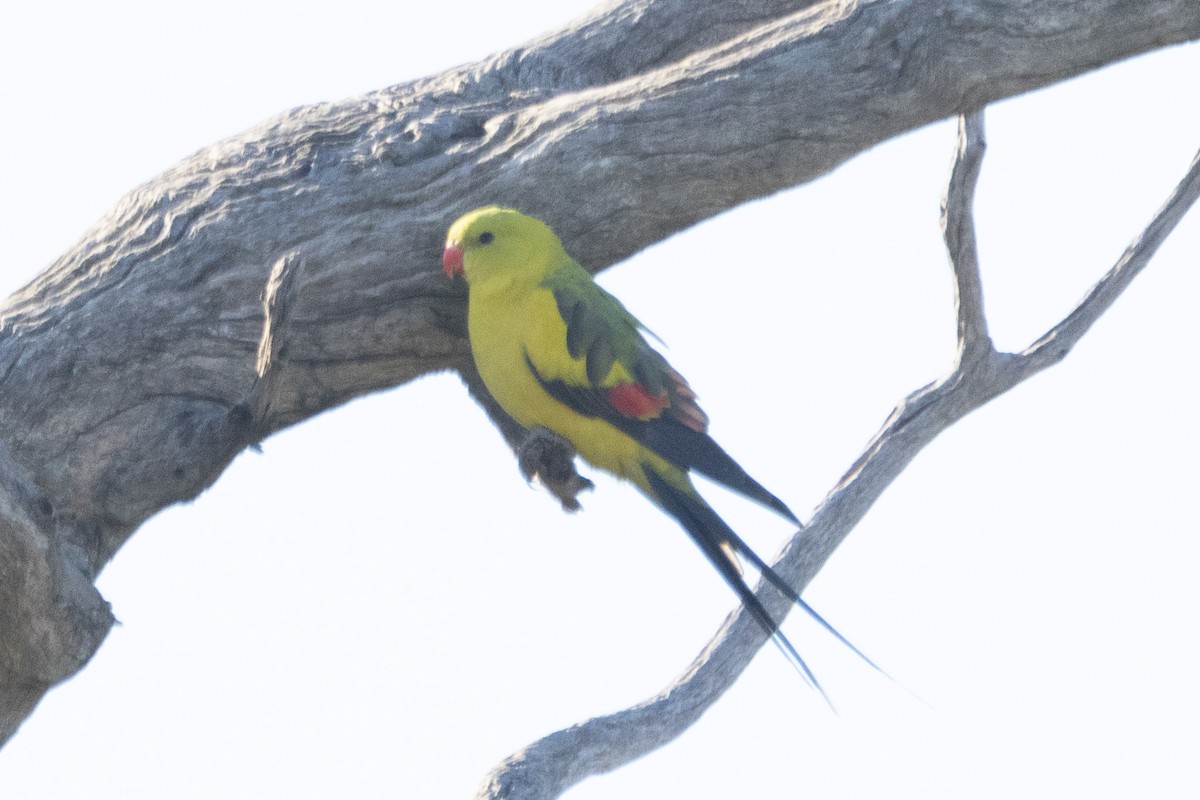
(632, 400)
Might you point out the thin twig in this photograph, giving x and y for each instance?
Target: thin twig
(1054, 345)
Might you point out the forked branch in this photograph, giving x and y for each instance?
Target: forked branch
(551, 765)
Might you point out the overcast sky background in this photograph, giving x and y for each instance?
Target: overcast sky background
(376, 606)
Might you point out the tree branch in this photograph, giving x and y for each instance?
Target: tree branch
(1054, 345)
(550, 766)
(958, 227)
(130, 372)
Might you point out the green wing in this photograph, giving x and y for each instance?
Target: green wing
(654, 405)
(601, 331)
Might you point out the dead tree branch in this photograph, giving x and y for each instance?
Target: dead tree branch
(131, 372)
(550, 766)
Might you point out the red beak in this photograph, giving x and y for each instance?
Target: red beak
(452, 260)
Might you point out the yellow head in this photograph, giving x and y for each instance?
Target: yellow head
(494, 242)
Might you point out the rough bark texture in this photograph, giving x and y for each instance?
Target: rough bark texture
(131, 371)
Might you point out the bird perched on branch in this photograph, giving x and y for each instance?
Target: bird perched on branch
(559, 353)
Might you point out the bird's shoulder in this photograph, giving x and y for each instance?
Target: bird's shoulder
(614, 367)
(599, 330)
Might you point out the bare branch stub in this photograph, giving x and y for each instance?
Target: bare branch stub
(278, 301)
(279, 297)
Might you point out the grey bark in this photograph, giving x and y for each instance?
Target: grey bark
(135, 368)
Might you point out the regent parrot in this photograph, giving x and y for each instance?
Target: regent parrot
(558, 352)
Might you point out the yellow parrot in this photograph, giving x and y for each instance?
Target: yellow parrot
(558, 352)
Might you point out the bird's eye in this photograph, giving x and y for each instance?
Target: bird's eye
(487, 237)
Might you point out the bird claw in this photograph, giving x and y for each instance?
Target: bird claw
(549, 459)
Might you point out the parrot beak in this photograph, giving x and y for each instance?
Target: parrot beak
(452, 260)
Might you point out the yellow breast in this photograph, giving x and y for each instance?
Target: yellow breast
(504, 331)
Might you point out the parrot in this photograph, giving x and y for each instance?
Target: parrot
(559, 353)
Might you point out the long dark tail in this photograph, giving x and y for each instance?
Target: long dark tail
(712, 534)
(691, 449)
(709, 532)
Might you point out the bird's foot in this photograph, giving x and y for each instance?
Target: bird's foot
(550, 460)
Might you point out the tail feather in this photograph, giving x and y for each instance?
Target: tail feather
(691, 449)
(776, 580)
(710, 533)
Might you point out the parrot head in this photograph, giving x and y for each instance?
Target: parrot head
(494, 242)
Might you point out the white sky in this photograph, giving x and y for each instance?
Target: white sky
(367, 611)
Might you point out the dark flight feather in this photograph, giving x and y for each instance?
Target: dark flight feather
(710, 532)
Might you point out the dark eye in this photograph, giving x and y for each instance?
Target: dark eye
(486, 237)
